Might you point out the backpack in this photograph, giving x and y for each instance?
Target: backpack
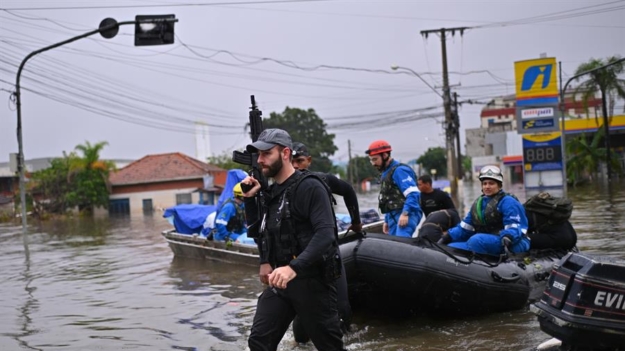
(545, 210)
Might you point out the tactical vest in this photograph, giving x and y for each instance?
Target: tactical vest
(236, 223)
(390, 198)
(491, 220)
(286, 238)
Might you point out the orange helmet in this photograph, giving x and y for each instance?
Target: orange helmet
(378, 147)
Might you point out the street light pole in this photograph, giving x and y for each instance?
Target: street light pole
(108, 29)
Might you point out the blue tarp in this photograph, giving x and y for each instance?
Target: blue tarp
(189, 218)
(234, 177)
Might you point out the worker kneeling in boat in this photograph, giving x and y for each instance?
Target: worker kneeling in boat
(496, 220)
(230, 221)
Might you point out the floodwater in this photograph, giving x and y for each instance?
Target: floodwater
(113, 284)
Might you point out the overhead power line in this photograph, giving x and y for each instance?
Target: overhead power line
(262, 2)
(560, 15)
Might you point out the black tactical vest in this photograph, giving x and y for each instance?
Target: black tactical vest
(286, 237)
(390, 198)
(491, 221)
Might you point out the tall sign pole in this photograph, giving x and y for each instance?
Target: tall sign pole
(537, 112)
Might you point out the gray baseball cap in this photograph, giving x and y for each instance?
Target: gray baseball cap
(270, 138)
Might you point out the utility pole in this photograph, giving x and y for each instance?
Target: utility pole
(449, 123)
(350, 171)
(456, 115)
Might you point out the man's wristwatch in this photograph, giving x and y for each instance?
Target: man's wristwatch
(405, 214)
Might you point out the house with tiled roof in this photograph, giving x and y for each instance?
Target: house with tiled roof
(156, 182)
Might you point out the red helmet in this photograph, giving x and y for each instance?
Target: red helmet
(378, 147)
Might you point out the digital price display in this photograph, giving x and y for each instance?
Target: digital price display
(542, 154)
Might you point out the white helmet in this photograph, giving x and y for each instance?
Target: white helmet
(491, 172)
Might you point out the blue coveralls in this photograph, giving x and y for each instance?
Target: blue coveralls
(227, 213)
(464, 235)
(405, 179)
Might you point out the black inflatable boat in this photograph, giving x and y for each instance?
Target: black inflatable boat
(418, 275)
(583, 304)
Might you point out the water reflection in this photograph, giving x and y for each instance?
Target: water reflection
(111, 284)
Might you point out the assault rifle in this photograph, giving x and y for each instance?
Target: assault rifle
(251, 159)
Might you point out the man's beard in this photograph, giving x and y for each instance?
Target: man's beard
(273, 169)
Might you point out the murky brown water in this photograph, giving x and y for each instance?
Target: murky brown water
(113, 284)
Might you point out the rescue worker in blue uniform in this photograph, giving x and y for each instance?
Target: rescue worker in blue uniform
(496, 220)
(230, 221)
(298, 245)
(399, 194)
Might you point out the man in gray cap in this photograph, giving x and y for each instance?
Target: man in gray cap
(297, 242)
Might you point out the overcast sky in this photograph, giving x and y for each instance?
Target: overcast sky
(332, 56)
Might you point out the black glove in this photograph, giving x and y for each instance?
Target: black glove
(445, 239)
(506, 241)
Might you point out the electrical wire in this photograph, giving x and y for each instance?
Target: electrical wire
(262, 2)
(557, 15)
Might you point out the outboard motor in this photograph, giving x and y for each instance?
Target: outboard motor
(584, 303)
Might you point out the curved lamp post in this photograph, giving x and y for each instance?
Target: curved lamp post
(144, 35)
(411, 71)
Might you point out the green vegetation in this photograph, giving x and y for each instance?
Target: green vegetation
(584, 157)
(361, 169)
(434, 158)
(79, 179)
(306, 127)
(225, 161)
(585, 153)
(605, 81)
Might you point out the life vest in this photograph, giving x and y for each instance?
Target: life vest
(391, 197)
(236, 223)
(286, 238)
(490, 220)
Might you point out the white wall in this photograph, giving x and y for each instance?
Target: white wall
(161, 199)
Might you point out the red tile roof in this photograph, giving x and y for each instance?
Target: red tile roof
(163, 167)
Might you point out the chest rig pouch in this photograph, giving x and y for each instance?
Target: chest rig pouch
(290, 237)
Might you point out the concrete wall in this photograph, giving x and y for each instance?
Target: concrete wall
(161, 199)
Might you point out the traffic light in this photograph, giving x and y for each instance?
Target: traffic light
(154, 30)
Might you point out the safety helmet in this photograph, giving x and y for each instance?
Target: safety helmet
(378, 147)
(491, 172)
(237, 191)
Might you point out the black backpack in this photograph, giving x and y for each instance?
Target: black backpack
(544, 210)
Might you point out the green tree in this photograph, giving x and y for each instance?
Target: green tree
(51, 185)
(225, 161)
(362, 169)
(466, 164)
(306, 127)
(434, 158)
(88, 176)
(585, 156)
(607, 82)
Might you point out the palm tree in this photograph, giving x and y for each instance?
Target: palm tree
(90, 175)
(607, 82)
(586, 155)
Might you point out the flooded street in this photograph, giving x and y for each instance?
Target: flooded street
(113, 284)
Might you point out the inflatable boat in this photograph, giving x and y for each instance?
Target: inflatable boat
(583, 304)
(413, 275)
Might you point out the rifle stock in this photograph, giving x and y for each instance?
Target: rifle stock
(251, 160)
